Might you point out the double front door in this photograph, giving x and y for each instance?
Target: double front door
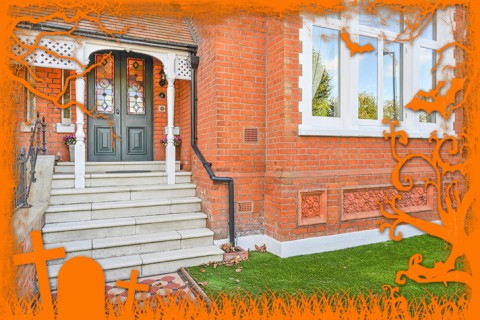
(121, 98)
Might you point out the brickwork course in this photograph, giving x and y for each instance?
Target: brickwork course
(248, 84)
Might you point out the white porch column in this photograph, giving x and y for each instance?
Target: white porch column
(79, 133)
(170, 149)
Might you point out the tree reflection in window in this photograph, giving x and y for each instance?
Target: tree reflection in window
(368, 81)
(325, 72)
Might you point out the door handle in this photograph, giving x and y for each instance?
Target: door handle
(117, 111)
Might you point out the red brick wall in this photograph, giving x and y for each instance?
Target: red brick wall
(182, 119)
(231, 92)
(249, 76)
(50, 84)
(159, 117)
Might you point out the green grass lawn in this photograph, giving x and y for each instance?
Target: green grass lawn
(356, 269)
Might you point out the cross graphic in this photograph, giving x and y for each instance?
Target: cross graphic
(131, 286)
(39, 256)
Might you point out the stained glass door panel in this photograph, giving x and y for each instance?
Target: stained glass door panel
(104, 84)
(120, 92)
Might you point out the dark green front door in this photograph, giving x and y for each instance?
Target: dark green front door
(120, 95)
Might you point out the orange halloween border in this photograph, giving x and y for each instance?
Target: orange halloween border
(281, 307)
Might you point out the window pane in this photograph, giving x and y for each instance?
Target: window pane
(66, 112)
(104, 86)
(325, 72)
(430, 31)
(428, 79)
(136, 85)
(368, 81)
(382, 19)
(392, 79)
(30, 97)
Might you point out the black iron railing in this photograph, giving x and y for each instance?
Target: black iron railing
(26, 162)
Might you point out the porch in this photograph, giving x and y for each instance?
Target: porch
(105, 123)
(127, 96)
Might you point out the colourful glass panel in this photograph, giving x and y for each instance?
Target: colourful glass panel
(104, 84)
(136, 86)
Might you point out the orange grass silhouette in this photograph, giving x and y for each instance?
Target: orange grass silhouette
(384, 306)
(387, 305)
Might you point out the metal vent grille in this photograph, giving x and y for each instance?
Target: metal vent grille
(251, 135)
(245, 206)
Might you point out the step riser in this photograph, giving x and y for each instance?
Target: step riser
(121, 196)
(171, 225)
(115, 167)
(143, 248)
(113, 182)
(120, 212)
(171, 266)
(100, 233)
(87, 234)
(150, 269)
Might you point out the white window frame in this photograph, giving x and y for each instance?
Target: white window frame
(30, 104)
(348, 123)
(65, 125)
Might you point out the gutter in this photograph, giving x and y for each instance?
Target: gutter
(117, 38)
(195, 60)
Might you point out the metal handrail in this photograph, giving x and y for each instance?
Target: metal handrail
(26, 177)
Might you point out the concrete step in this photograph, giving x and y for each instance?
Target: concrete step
(118, 227)
(103, 167)
(122, 193)
(67, 180)
(119, 268)
(135, 244)
(120, 209)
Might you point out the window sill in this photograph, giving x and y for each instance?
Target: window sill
(373, 132)
(25, 127)
(64, 128)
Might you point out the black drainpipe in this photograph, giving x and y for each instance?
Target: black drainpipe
(195, 60)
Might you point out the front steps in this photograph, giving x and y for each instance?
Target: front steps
(127, 220)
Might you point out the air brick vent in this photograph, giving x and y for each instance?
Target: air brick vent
(245, 207)
(251, 135)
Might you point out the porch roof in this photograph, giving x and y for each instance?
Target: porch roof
(147, 29)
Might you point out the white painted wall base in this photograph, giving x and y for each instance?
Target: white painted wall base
(320, 244)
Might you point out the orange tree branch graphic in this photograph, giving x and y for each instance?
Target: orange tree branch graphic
(26, 50)
(453, 208)
(455, 203)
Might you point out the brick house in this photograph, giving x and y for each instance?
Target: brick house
(282, 109)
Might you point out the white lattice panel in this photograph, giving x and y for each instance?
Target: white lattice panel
(41, 58)
(182, 68)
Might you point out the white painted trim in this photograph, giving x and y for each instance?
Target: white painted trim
(347, 124)
(64, 128)
(334, 242)
(24, 127)
(80, 133)
(84, 46)
(170, 148)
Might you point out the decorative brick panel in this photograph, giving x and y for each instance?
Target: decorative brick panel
(362, 202)
(312, 207)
